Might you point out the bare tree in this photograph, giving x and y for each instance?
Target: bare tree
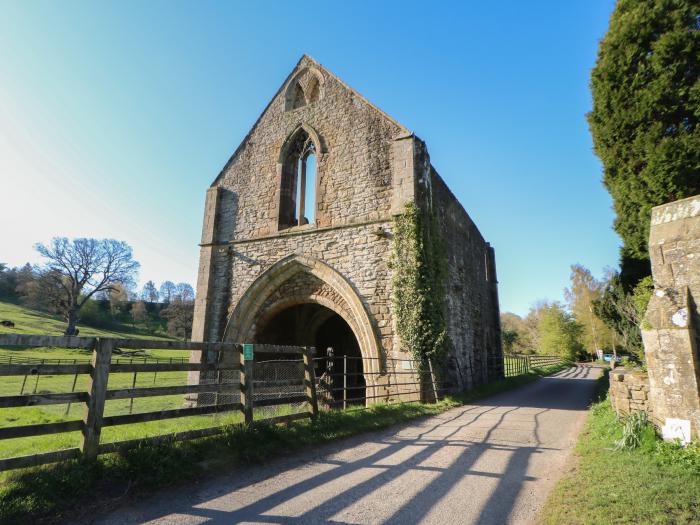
(80, 268)
(149, 292)
(184, 292)
(180, 311)
(167, 291)
(179, 314)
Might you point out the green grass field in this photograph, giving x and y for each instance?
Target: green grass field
(32, 322)
(28, 321)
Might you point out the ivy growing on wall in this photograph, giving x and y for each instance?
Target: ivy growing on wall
(419, 279)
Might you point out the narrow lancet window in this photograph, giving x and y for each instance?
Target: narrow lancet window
(298, 191)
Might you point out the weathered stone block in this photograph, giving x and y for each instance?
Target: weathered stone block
(670, 330)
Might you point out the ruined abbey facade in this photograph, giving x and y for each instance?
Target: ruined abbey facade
(299, 229)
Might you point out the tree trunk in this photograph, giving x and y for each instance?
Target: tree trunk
(72, 321)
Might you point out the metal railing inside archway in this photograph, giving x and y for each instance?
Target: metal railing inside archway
(346, 382)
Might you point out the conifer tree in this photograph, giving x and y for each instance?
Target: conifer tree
(645, 117)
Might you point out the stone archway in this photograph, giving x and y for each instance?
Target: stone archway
(339, 367)
(296, 280)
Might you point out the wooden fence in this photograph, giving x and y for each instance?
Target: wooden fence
(516, 364)
(220, 358)
(227, 377)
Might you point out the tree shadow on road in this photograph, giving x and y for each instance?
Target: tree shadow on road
(425, 471)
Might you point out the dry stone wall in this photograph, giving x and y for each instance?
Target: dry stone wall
(629, 392)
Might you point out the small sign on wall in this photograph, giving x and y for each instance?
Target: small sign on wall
(247, 352)
(676, 429)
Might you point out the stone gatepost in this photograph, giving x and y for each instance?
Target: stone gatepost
(670, 327)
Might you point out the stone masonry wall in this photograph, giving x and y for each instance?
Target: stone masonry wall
(629, 392)
(672, 321)
(354, 174)
(354, 181)
(473, 320)
(354, 252)
(368, 167)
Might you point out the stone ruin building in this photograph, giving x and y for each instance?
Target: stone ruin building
(298, 233)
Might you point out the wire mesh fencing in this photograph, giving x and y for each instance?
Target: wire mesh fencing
(279, 381)
(351, 382)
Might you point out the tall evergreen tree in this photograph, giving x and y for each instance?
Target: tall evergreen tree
(646, 111)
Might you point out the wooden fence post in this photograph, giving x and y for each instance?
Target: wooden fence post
(432, 379)
(97, 389)
(310, 380)
(247, 382)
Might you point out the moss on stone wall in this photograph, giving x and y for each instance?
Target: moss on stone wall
(419, 278)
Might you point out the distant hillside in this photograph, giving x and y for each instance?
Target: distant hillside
(28, 321)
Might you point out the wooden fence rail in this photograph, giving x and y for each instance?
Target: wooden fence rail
(220, 358)
(516, 364)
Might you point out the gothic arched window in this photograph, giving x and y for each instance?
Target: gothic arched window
(299, 99)
(305, 88)
(298, 185)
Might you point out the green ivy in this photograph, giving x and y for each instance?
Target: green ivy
(419, 283)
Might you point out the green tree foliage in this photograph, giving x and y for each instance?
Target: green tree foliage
(581, 295)
(42, 290)
(419, 273)
(8, 282)
(623, 312)
(97, 314)
(646, 111)
(509, 339)
(559, 333)
(519, 336)
(14, 280)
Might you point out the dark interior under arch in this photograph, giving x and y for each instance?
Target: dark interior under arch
(337, 349)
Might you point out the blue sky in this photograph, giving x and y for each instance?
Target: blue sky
(115, 117)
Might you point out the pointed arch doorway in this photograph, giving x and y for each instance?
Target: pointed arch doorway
(301, 300)
(338, 361)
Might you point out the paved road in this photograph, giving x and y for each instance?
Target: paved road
(492, 462)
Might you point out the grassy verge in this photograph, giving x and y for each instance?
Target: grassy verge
(655, 482)
(48, 493)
